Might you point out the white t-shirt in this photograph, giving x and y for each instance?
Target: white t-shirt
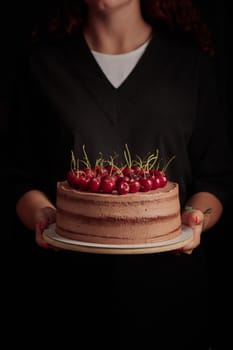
(117, 67)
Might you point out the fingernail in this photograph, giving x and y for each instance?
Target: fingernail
(178, 251)
(45, 245)
(196, 220)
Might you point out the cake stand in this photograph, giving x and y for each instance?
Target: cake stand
(57, 241)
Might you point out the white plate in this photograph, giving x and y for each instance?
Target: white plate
(56, 240)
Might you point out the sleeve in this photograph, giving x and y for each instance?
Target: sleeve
(209, 148)
(29, 144)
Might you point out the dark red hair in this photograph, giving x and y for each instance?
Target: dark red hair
(182, 15)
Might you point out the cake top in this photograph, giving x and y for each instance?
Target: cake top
(107, 176)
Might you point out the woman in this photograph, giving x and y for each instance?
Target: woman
(125, 73)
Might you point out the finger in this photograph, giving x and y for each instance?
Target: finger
(40, 226)
(40, 238)
(183, 250)
(192, 218)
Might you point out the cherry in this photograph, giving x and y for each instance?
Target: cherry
(89, 172)
(135, 169)
(108, 183)
(84, 182)
(128, 171)
(156, 182)
(163, 180)
(143, 173)
(123, 187)
(94, 184)
(134, 185)
(123, 178)
(100, 170)
(155, 172)
(145, 184)
(73, 178)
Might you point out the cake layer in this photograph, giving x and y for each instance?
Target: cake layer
(143, 217)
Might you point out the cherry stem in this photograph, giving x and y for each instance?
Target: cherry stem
(100, 160)
(73, 163)
(168, 163)
(151, 161)
(128, 156)
(138, 162)
(86, 160)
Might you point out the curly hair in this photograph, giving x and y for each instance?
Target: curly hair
(68, 16)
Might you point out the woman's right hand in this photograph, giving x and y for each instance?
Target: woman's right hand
(44, 217)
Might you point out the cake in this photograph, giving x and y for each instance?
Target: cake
(107, 204)
(134, 218)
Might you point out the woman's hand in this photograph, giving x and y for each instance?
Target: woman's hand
(44, 217)
(202, 219)
(195, 220)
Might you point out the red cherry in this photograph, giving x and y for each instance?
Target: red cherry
(143, 173)
(89, 172)
(100, 170)
(145, 184)
(156, 182)
(123, 178)
(163, 180)
(158, 172)
(134, 185)
(135, 169)
(126, 171)
(73, 178)
(84, 182)
(123, 187)
(108, 184)
(94, 184)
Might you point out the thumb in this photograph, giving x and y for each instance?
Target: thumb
(192, 217)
